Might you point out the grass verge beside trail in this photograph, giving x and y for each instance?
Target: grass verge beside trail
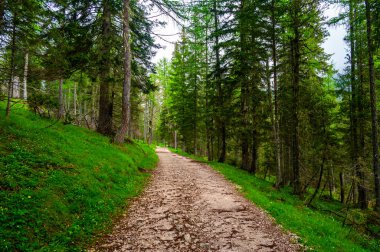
(62, 185)
(318, 230)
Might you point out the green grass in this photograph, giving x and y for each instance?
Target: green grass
(318, 230)
(61, 185)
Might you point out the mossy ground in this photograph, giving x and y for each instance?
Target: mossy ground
(61, 185)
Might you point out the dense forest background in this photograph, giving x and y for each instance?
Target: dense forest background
(248, 84)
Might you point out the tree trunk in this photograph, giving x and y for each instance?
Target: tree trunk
(318, 184)
(175, 139)
(93, 101)
(341, 180)
(253, 168)
(222, 157)
(276, 126)
(296, 56)
(61, 109)
(244, 94)
(195, 105)
(16, 87)
(126, 103)
(270, 109)
(105, 102)
(11, 69)
(331, 182)
(146, 120)
(2, 11)
(75, 100)
(25, 88)
(208, 119)
(151, 114)
(354, 99)
(375, 144)
(356, 115)
(220, 122)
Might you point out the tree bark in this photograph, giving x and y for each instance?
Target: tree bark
(93, 101)
(105, 101)
(195, 103)
(61, 109)
(375, 144)
(341, 180)
(353, 105)
(208, 119)
(126, 103)
(244, 93)
(75, 100)
(222, 157)
(296, 56)
(220, 122)
(12, 66)
(2, 10)
(254, 158)
(175, 139)
(276, 126)
(25, 88)
(318, 184)
(356, 110)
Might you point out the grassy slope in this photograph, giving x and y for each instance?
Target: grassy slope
(61, 185)
(318, 230)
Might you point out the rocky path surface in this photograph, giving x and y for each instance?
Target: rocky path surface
(190, 207)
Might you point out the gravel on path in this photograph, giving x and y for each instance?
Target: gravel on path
(188, 206)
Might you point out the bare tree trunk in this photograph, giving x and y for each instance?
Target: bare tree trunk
(25, 89)
(375, 144)
(126, 103)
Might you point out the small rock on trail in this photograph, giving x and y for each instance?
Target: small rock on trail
(190, 207)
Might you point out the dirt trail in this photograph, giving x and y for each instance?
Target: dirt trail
(190, 207)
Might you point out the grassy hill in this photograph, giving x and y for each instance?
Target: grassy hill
(61, 185)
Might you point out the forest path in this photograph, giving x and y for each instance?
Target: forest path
(190, 207)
